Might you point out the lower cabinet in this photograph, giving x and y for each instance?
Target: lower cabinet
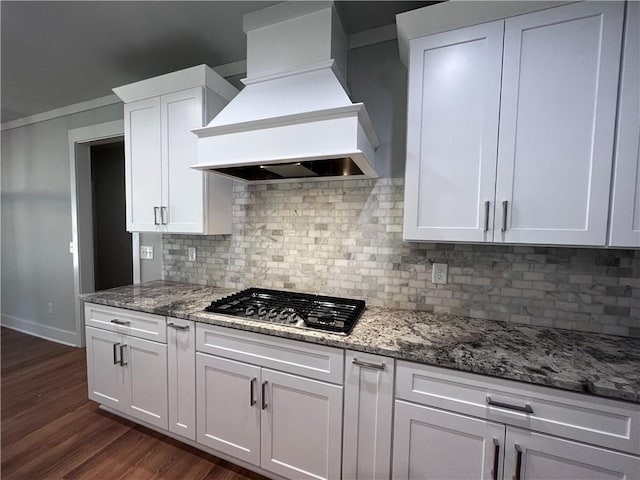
(368, 413)
(454, 425)
(128, 374)
(181, 377)
(282, 422)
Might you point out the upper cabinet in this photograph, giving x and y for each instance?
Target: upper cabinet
(511, 127)
(625, 201)
(163, 192)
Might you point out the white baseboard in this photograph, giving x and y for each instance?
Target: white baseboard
(65, 337)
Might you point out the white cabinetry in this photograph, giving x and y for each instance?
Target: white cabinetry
(254, 402)
(625, 202)
(163, 193)
(368, 413)
(443, 414)
(547, 156)
(128, 374)
(181, 377)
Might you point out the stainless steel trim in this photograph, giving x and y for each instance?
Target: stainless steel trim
(115, 354)
(252, 400)
(518, 474)
(496, 458)
(122, 363)
(121, 322)
(375, 366)
(505, 205)
(163, 219)
(486, 215)
(527, 408)
(155, 215)
(178, 327)
(264, 395)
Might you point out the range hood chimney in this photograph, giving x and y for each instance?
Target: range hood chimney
(294, 119)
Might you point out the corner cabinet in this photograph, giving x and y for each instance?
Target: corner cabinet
(163, 194)
(511, 128)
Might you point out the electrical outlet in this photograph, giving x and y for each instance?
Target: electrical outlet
(439, 273)
(50, 308)
(192, 254)
(146, 253)
(70, 247)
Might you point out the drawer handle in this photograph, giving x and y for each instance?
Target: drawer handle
(252, 399)
(375, 366)
(115, 354)
(264, 395)
(496, 458)
(518, 474)
(178, 327)
(120, 322)
(527, 408)
(122, 362)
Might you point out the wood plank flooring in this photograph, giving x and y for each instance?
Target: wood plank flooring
(50, 430)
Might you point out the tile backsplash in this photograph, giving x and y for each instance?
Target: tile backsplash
(345, 238)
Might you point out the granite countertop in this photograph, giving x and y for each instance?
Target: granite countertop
(603, 365)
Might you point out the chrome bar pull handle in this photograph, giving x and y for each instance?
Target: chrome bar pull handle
(496, 458)
(178, 327)
(121, 322)
(122, 362)
(115, 354)
(526, 409)
(487, 204)
(252, 400)
(163, 217)
(505, 205)
(518, 474)
(264, 395)
(155, 216)
(375, 366)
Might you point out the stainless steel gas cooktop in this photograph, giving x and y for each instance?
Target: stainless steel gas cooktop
(315, 312)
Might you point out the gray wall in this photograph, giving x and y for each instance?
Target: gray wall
(37, 267)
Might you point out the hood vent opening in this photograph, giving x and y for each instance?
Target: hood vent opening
(294, 119)
(330, 167)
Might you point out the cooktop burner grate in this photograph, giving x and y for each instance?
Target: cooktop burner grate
(317, 312)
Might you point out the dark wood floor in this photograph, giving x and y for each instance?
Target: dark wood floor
(50, 430)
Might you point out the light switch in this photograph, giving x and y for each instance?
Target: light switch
(192, 254)
(146, 253)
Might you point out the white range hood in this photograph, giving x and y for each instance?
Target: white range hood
(294, 118)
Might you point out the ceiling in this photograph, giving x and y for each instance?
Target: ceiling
(57, 53)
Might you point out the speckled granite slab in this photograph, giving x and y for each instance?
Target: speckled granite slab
(596, 364)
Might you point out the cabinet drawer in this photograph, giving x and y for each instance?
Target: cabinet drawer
(596, 420)
(315, 361)
(128, 322)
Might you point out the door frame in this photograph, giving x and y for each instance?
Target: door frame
(80, 141)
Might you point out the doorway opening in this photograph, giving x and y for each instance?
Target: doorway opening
(112, 244)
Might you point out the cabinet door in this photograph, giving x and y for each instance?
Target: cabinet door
(182, 186)
(368, 409)
(541, 457)
(301, 426)
(145, 366)
(143, 178)
(228, 407)
(452, 134)
(625, 206)
(105, 376)
(557, 119)
(432, 444)
(181, 374)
